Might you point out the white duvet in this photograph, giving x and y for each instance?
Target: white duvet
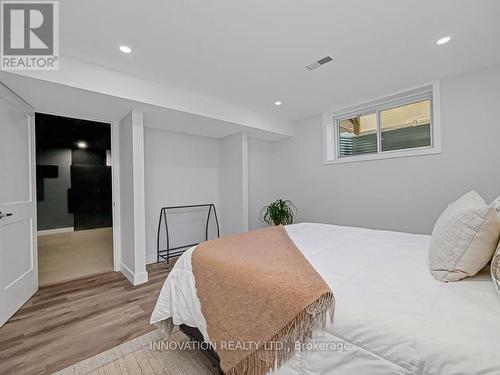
(393, 315)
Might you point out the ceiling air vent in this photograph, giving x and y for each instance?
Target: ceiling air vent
(320, 62)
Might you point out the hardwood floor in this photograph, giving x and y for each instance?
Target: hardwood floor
(67, 322)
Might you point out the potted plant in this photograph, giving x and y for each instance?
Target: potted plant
(280, 212)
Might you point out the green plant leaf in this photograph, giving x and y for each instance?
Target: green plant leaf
(280, 212)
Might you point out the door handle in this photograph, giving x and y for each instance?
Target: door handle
(7, 214)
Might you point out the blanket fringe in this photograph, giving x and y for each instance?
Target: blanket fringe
(300, 329)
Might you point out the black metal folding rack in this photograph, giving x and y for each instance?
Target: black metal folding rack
(178, 250)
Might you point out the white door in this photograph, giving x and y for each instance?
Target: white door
(18, 248)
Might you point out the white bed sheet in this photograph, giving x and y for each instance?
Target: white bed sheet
(395, 316)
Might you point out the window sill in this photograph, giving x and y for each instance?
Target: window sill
(385, 155)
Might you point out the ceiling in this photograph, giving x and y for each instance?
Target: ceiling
(52, 98)
(254, 52)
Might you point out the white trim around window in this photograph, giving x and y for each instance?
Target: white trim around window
(331, 148)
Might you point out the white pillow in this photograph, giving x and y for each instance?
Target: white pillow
(495, 270)
(464, 238)
(496, 205)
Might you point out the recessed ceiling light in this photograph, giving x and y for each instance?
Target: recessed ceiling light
(443, 40)
(125, 49)
(277, 103)
(82, 144)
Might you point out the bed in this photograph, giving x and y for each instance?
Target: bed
(391, 315)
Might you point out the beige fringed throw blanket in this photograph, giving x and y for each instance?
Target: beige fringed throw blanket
(260, 296)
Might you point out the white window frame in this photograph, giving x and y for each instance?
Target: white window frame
(331, 151)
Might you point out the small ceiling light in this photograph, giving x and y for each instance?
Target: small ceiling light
(125, 49)
(82, 144)
(443, 40)
(277, 103)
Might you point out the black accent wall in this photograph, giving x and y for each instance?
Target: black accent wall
(91, 196)
(86, 156)
(73, 190)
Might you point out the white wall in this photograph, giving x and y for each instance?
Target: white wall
(405, 194)
(132, 200)
(260, 178)
(234, 183)
(180, 169)
(183, 169)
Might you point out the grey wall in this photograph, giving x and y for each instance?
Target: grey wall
(405, 194)
(52, 212)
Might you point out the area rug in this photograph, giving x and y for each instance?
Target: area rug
(149, 354)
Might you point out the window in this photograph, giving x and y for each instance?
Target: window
(358, 135)
(406, 126)
(403, 125)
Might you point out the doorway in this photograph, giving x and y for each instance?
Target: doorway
(74, 198)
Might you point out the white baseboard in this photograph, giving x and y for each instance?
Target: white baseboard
(134, 278)
(141, 278)
(127, 272)
(95, 229)
(55, 231)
